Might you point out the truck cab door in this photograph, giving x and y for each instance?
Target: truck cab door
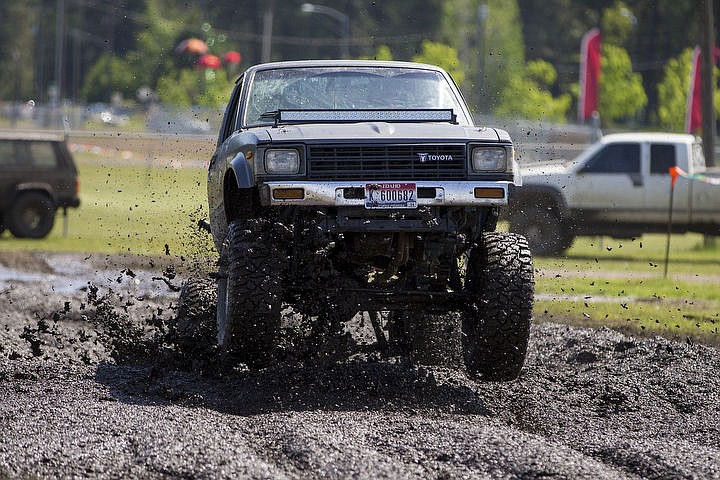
(609, 185)
(657, 188)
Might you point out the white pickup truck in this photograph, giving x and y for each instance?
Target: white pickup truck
(620, 187)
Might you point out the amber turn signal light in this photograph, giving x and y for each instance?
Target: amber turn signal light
(288, 194)
(483, 192)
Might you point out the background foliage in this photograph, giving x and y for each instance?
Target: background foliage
(529, 95)
(115, 49)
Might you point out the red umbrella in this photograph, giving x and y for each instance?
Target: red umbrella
(209, 61)
(192, 45)
(232, 57)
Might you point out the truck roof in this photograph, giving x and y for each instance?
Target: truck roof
(344, 63)
(341, 63)
(650, 137)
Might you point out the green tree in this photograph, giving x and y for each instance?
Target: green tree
(443, 56)
(16, 62)
(617, 24)
(673, 92)
(155, 63)
(109, 75)
(528, 95)
(488, 37)
(187, 87)
(553, 29)
(663, 28)
(154, 54)
(382, 52)
(217, 88)
(409, 22)
(621, 90)
(504, 47)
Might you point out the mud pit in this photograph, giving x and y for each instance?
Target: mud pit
(92, 385)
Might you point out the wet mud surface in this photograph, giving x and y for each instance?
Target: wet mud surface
(95, 383)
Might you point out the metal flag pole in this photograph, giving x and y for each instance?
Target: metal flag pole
(673, 178)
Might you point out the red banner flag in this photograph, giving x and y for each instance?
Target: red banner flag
(589, 74)
(693, 119)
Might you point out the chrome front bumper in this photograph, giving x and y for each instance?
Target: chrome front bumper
(449, 194)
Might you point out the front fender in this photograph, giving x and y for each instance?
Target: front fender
(38, 187)
(242, 169)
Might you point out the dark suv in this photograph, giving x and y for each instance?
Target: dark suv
(37, 177)
(346, 186)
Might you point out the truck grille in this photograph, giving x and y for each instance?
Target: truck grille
(378, 162)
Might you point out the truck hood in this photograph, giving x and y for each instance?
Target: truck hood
(383, 131)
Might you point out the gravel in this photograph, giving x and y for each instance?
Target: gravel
(92, 386)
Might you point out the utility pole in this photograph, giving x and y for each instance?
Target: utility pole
(479, 94)
(17, 99)
(267, 32)
(56, 92)
(59, 44)
(708, 90)
(708, 63)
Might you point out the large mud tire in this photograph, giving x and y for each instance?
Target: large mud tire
(500, 283)
(32, 215)
(197, 307)
(545, 232)
(249, 292)
(194, 328)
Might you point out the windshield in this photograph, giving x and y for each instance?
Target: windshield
(343, 88)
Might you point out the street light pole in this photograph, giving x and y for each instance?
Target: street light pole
(59, 44)
(267, 32)
(479, 94)
(337, 15)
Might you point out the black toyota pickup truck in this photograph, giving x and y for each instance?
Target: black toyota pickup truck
(37, 177)
(346, 186)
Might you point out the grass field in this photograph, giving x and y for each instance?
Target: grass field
(139, 209)
(130, 209)
(622, 284)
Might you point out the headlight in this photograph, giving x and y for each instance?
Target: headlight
(489, 159)
(279, 161)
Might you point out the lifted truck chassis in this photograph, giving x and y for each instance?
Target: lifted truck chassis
(340, 187)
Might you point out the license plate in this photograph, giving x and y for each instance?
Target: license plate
(390, 195)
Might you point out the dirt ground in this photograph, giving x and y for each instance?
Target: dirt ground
(93, 385)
